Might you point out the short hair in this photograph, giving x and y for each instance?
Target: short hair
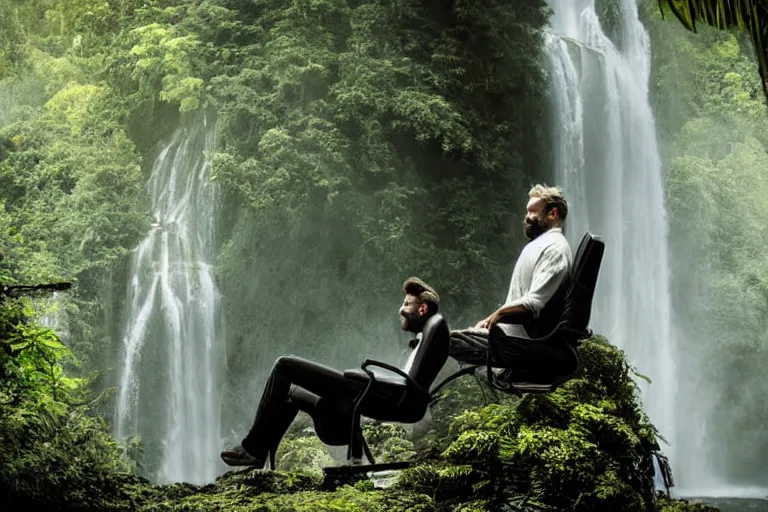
(425, 293)
(553, 197)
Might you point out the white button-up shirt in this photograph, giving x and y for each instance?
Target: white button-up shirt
(540, 270)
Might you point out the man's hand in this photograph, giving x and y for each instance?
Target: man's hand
(511, 314)
(489, 321)
(492, 320)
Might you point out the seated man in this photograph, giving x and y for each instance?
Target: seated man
(536, 291)
(296, 384)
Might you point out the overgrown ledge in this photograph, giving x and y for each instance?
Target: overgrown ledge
(586, 447)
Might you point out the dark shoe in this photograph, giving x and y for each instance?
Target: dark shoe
(237, 456)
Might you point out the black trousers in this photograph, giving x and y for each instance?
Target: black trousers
(527, 359)
(297, 384)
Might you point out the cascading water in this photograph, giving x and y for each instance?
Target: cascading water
(52, 315)
(608, 163)
(172, 355)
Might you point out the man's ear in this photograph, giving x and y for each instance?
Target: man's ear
(554, 213)
(423, 309)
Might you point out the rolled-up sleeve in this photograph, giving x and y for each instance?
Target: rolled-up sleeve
(548, 274)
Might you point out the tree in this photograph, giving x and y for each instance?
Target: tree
(751, 15)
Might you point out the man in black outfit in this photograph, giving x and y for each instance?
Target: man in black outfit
(297, 384)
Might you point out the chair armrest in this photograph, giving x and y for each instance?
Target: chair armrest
(386, 366)
(410, 383)
(357, 374)
(561, 331)
(501, 330)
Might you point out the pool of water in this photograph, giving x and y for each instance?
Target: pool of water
(734, 504)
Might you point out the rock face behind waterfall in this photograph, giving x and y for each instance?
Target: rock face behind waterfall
(586, 447)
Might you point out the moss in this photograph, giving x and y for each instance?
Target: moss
(255, 490)
(587, 446)
(474, 506)
(306, 453)
(256, 481)
(664, 504)
(388, 442)
(344, 499)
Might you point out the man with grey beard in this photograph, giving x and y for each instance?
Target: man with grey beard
(537, 289)
(328, 396)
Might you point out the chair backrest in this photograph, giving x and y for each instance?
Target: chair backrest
(552, 314)
(431, 352)
(583, 280)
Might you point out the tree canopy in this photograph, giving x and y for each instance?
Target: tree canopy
(750, 15)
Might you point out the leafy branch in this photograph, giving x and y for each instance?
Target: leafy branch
(750, 15)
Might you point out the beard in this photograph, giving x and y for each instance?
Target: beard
(535, 228)
(413, 323)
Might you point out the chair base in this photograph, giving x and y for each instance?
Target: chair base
(527, 387)
(336, 476)
(533, 388)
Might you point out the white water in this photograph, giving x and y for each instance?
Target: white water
(51, 313)
(608, 163)
(173, 318)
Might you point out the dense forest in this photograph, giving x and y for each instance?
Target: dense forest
(713, 126)
(357, 143)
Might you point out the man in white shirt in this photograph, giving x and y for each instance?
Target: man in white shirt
(537, 288)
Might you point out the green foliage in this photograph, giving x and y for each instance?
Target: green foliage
(713, 126)
(306, 453)
(55, 454)
(748, 15)
(389, 442)
(347, 499)
(164, 61)
(380, 153)
(587, 446)
(665, 504)
(72, 187)
(256, 490)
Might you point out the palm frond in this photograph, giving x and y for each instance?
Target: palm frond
(750, 15)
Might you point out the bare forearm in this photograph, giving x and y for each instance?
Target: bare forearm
(515, 314)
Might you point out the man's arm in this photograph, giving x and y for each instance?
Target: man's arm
(516, 314)
(512, 313)
(548, 274)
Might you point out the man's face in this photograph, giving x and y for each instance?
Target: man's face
(412, 314)
(536, 220)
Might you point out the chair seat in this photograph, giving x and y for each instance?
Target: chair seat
(359, 375)
(390, 399)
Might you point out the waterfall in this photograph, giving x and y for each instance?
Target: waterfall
(172, 353)
(608, 163)
(51, 314)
